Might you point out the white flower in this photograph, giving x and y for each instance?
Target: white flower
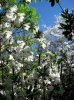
(39, 67)
(7, 24)
(47, 81)
(21, 43)
(11, 57)
(43, 42)
(26, 26)
(43, 45)
(18, 65)
(19, 18)
(55, 77)
(11, 16)
(8, 34)
(23, 76)
(13, 9)
(28, 0)
(36, 28)
(30, 58)
(1, 61)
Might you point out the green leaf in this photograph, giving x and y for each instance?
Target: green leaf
(51, 54)
(60, 60)
(30, 41)
(34, 1)
(57, 1)
(12, 1)
(21, 8)
(14, 44)
(52, 2)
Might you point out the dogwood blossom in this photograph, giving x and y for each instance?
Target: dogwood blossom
(11, 16)
(7, 25)
(8, 34)
(21, 43)
(28, 1)
(13, 9)
(26, 26)
(30, 58)
(19, 19)
(11, 57)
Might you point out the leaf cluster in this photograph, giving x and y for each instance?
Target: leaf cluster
(53, 2)
(68, 24)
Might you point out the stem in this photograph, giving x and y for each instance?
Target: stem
(1, 64)
(2, 75)
(44, 90)
(13, 84)
(44, 85)
(60, 6)
(2, 70)
(39, 59)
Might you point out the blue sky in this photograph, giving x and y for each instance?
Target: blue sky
(47, 12)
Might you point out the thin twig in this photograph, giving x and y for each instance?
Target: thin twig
(60, 6)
